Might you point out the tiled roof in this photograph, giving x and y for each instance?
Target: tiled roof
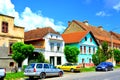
(100, 34)
(74, 37)
(38, 33)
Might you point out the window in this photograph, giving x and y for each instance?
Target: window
(83, 60)
(11, 64)
(81, 49)
(10, 49)
(84, 49)
(90, 60)
(90, 39)
(39, 66)
(58, 60)
(52, 46)
(94, 50)
(89, 49)
(56, 36)
(51, 36)
(4, 27)
(85, 38)
(58, 46)
(46, 66)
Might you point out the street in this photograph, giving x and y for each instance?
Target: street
(110, 75)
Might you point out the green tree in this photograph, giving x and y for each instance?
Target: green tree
(98, 57)
(21, 51)
(102, 54)
(116, 55)
(71, 54)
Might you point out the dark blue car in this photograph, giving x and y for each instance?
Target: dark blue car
(104, 66)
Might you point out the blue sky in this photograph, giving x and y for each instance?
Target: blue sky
(56, 13)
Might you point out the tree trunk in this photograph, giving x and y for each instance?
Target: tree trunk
(19, 67)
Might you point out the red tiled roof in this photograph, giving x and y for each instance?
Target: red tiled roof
(100, 34)
(38, 33)
(74, 37)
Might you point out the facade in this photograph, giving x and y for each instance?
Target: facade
(9, 34)
(85, 42)
(101, 35)
(49, 42)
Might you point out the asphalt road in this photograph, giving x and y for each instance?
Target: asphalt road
(110, 75)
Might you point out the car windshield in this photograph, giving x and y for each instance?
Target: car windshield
(75, 64)
(103, 63)
(31, 66)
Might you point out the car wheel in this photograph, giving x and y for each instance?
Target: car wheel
(112, 69)
(60, 74)
(72, 70)
(106, 69)
(42, 75)
(31, 77)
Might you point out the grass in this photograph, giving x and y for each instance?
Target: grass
(87, 69)
(117, 66)
(14, 76)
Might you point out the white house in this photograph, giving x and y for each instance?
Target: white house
(49, 42)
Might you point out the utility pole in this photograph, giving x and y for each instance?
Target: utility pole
(113, 61)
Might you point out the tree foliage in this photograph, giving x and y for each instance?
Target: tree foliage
(116, 55)
(98, 57)
(21, 51)
(102, 54)
(71, 54)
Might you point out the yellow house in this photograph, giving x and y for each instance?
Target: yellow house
(9, 34)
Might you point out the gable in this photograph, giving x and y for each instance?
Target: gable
(89, 39)
(73, 27)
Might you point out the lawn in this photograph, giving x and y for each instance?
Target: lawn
(87, 69)
(14, 76)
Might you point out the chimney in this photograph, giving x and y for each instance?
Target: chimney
(86, 22)
(100, 27)
(69, 23)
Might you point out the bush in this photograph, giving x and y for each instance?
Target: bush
(23, 67)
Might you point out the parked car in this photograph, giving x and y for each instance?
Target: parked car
(2, 73)
(104, 66)
(69, 67)
(42, 70)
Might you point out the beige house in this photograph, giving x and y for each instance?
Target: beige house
(9, 33)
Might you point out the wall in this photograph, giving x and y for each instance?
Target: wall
(73, 28)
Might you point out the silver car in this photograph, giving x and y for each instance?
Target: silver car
(42, 70)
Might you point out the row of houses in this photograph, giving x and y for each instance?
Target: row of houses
(51, 43)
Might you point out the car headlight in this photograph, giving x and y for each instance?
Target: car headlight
(103, 67)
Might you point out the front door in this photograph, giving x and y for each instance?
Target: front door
(52, 60)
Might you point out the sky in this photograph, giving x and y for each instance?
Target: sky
(32, 14)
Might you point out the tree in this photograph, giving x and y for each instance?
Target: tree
(116, 55)
(21, 51)
(71, 54)
(102, 54)
(98, 57)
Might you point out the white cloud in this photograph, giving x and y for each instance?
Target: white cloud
(117, 7)
(102, 13)
(27, 18)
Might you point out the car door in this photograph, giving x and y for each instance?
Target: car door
(54, 70)
(47, 70)
(64, 67)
